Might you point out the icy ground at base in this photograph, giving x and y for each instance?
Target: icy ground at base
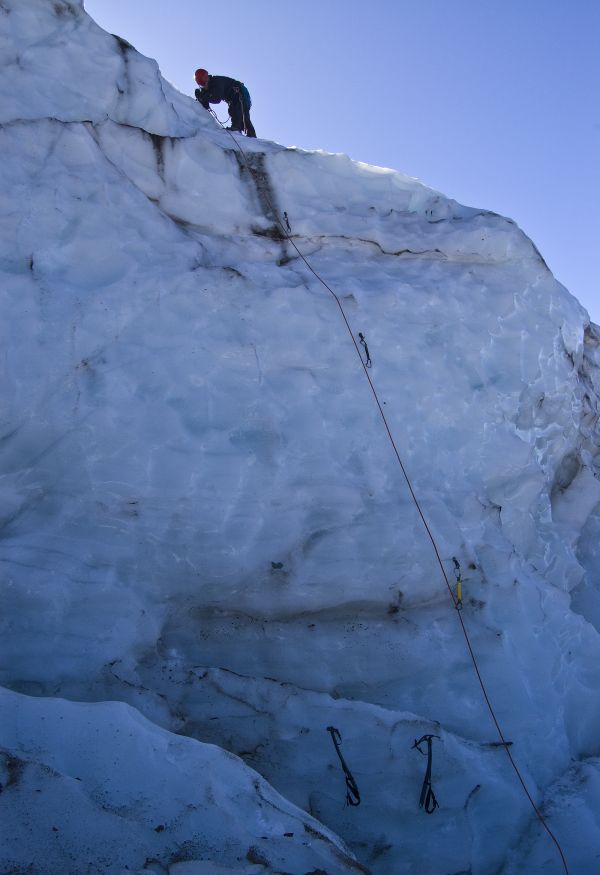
(202, 516)
(98, 788)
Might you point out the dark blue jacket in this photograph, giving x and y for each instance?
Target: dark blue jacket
(219, 88)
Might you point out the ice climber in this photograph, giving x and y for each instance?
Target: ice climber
(214, 89)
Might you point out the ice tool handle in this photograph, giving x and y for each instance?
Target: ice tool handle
(427, 799)
(352, 792)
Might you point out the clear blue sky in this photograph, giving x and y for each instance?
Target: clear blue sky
(493, 102)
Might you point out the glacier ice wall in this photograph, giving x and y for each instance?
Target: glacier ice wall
(201, 512)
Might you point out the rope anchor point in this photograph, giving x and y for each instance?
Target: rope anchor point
(458, 604)
(368, 363)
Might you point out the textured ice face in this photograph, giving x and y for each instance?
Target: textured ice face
(203, 515)
(57, 63)
(97, 788)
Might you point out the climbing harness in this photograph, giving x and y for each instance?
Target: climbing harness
(363, 343)
(287, 221)
(427, 800)
(432, 540)
(242, 92)
(352, 794)
(458, 603)
(243, 109)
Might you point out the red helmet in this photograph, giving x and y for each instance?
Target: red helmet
(201, 77)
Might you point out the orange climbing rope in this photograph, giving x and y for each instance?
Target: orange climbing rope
(287, 235)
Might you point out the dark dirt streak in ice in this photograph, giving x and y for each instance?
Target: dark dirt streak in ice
(253, 165)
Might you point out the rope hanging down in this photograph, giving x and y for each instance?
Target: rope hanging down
(459, 613)
(352, 794)
(427, 800)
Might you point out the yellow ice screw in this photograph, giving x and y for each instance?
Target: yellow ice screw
(459, 603)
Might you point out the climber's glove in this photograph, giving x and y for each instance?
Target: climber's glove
(201, 97)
